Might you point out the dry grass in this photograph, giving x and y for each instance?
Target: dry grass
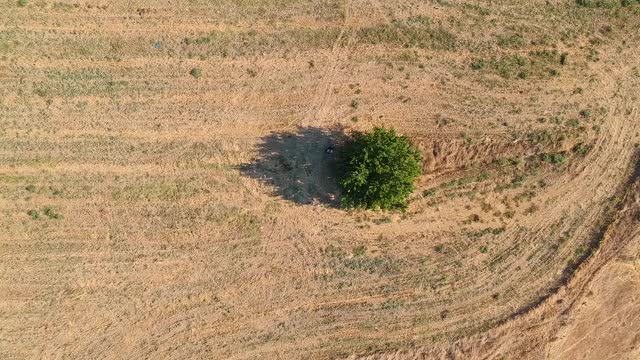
(149, 212)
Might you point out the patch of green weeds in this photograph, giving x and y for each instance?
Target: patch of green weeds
(554, 158)
(516, 182)
(477, 64)
(359, 250)
(51, 213)
(586, 113)
(512, 41)
(415, 32)
(430, 192)
(33, 214)
(563, 58)
(582, 149)
(359, 262)
(196, 72)
(487, 231)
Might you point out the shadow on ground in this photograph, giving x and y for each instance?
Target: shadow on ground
(298, 166)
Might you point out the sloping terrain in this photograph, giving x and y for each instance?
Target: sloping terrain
(594, 316)
(165, 191)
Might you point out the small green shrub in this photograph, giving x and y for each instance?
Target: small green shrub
(22, 3)
(512, 65)
(586, 113)
(477, 64)
(359, 250)
(629, 2)
(196, 73)
(574, 123)
(430, 192)
(466, 139)
(34, 214)
(608, 4)
(384, 220)
(581, 149)
(555, 159)
(489, 230)
(511, 41)
(51, 213)
(378, 170)
(563, 58)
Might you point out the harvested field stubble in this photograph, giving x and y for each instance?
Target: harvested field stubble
(166, 191)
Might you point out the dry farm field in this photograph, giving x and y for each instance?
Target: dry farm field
(165, 190)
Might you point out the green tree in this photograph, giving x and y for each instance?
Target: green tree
(377, 170)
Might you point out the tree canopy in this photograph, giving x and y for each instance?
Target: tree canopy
(377, 170)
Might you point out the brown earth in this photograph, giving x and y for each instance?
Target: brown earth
(149, 213)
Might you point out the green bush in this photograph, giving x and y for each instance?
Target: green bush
(196, 73)
(477, 64)
(34, 214)
(377, 170)
(603, 3)
(555, 159)
(51, 213)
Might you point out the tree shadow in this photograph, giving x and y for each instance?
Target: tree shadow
(299, 166)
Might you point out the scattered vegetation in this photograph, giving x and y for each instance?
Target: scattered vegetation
(430, 192)
(83, 82)
(274, 66)
(513, 41)
(413, 32)
(489, 230)
(607, 4)
(586, 113)
(563, 58)
(510, 66)
(516, 182)
(343, 264)
(554, 158)
(582, 149)
(477, 64)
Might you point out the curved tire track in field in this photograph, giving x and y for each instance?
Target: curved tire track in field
(579, 196)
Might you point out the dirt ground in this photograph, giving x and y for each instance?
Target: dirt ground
(165, 193)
